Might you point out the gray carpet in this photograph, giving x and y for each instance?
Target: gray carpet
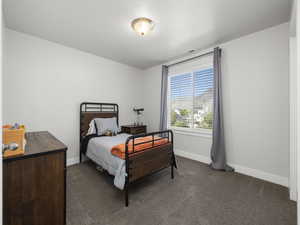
(197, 196)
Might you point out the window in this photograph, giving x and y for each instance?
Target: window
(190, 99)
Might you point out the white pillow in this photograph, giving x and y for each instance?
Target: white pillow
(92, 129)
(104, 124)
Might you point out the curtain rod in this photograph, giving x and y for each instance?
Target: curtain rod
(189, 59)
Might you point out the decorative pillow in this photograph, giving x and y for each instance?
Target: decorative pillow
(92, 129)
(109, 133)
(104, 124)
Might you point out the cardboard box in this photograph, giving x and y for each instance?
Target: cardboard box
(14, 136)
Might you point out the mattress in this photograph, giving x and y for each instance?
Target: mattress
(99, 151)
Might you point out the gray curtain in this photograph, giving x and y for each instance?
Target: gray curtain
(164, 95)
(218, 152)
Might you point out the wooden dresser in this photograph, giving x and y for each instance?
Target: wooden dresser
(34, 184)
(134, 129)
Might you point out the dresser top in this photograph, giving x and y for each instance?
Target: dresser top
(38, 143)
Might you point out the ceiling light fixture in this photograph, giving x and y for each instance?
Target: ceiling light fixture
(142, 25)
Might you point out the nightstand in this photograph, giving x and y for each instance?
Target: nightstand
(134, 129)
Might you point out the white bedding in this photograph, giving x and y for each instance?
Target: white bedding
(99, 151)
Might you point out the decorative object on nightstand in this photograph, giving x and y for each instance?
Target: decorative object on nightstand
(139, 115)
(134, 129)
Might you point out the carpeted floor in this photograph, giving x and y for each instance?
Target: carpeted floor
(197, 196)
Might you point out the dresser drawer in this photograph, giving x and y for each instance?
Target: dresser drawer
(130, 129)
(138, 130)
(34, 190)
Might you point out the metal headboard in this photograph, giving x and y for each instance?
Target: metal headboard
(91, 110)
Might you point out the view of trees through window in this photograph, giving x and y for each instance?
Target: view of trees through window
(191, 99)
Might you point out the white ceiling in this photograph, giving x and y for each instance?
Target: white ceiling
(102, 27)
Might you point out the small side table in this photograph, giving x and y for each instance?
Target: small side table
(134, 129)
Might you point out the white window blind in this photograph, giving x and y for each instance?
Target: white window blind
(191, 99)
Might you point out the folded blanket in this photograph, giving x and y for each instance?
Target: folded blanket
(119, 150)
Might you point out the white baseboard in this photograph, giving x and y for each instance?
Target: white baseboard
(284, 181)
(276, 179)
(72, 161)
(293, 195)
(192, 156)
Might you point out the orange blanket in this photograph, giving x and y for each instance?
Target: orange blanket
(119, 150)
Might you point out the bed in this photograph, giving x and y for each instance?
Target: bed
(139, 156)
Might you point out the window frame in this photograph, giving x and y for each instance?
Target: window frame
(182, 130)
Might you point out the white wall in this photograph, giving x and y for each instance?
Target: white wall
(293, 119)
(293, 105)
(296, 18)
(256, 105)
(45, 82)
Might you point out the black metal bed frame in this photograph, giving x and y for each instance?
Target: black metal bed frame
(113, 109)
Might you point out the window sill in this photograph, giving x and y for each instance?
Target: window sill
(192, 132)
